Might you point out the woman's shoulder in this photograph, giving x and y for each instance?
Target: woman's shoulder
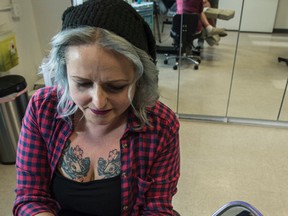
(47, 93)
(163, 113)
(45, 99)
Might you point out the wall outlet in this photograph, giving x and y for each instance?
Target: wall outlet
(15, 10)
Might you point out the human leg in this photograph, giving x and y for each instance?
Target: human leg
(207, 5)
(210, 30)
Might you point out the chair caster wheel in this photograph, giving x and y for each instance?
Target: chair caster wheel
(175, 67)
(196, 59)
(196, 67)
(165, 61)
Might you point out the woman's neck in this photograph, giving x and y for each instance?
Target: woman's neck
(81, 125)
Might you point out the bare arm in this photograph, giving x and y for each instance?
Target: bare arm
(45, 214)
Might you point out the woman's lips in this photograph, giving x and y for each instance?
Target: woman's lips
(100, 112)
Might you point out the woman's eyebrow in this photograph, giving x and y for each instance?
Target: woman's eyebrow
(80, 79)
(107, 81)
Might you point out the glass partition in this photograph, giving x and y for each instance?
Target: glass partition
(206, 91)
(283, 111)
(239, 78)
(259, 80)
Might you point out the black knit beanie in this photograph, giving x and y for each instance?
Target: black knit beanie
(116, 16)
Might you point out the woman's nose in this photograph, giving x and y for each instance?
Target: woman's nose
(99, 97)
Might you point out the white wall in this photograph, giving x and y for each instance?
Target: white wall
(281, 21)
(39, 21)
(47, 14)
(26, 40)
(257, 15)
(232, 24)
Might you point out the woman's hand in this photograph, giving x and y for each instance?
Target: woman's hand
(45, 214)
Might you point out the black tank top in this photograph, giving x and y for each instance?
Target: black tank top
(94, 198)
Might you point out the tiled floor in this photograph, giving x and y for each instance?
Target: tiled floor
(7, 185)
(224, 162)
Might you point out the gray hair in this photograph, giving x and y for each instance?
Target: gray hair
(146, 72)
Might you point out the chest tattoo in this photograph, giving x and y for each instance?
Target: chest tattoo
(110, 167)
(73, 163)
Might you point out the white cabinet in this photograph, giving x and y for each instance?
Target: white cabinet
(257, 15)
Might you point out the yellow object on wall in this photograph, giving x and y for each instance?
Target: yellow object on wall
(8, 51)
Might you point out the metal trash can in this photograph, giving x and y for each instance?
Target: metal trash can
(13, 103)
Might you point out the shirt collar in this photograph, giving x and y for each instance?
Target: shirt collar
(133, 123)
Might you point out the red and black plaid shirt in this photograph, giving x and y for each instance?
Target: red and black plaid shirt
(150, 159)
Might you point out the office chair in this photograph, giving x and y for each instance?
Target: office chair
(184, 32)
(281, 59)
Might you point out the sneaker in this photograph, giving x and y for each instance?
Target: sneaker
(215, 13)
(215, 31)
(223, 34)
(226, 14)
(213, 40)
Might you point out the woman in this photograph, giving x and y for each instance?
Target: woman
(196, 6)
(99, 142)
(210, 33)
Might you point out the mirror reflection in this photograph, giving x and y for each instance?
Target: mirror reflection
(259, 80)
(211, 83)
(238, 78)
(283, 116)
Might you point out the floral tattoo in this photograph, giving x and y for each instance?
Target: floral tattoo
(73, 163)
(110, 167)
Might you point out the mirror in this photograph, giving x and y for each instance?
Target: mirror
(189, 91)
(168, 77)
(205, 92)
(283, 114)
(240, 78)
(259, 79)
(237, 208)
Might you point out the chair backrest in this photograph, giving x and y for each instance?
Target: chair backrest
(185, 25)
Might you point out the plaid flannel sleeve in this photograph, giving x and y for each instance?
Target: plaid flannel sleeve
(164, 173)
(33, 170)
